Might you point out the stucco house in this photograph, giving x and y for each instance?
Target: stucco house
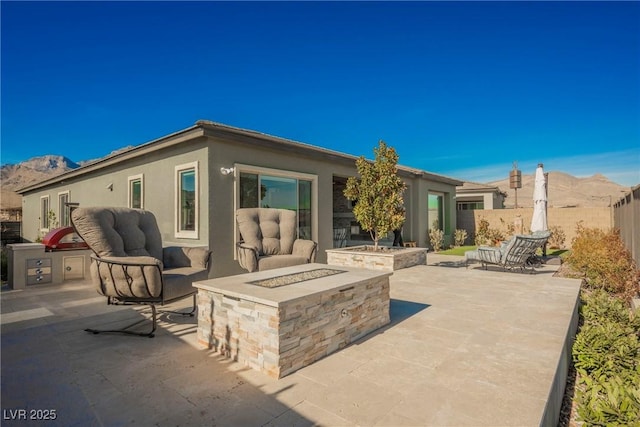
(193, 180)
(473, 195)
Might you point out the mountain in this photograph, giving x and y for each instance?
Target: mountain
(34, 170)
(565, 190)
(14, 177)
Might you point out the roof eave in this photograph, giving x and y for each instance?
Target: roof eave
(213, 129)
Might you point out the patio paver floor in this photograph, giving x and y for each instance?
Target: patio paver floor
(464, 347)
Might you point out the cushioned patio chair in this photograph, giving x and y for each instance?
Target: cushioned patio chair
(269, 240)
(517, 252)
(129, 264)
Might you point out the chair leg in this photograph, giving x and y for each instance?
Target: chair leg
(126, 330)
(190, 313)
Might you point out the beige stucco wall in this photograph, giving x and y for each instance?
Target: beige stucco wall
(566, 218)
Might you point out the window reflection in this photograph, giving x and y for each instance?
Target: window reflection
(278, 192)
(188, 200)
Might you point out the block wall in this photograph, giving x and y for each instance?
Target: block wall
(566, 218)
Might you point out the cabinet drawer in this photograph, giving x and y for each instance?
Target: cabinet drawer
(38, 271)
(39, 262)
(39, 278)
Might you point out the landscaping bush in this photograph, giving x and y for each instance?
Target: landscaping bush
(606, 355)
(557, 238)
(603, 260)
(482, 233)
(485, 235)
(436, 237)
(459, 237)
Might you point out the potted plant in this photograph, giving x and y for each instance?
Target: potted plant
(379, 209)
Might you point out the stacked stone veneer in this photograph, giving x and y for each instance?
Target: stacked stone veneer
(395, 259)
(279, 340)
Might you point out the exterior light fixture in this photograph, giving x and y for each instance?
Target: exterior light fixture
(226, 171)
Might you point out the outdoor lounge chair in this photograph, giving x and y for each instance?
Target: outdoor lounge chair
(130, 266)
(269, 240)
(517, 252)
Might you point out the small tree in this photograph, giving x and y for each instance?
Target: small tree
(378, 193)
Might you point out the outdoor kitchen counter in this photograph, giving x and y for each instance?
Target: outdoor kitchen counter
(278, 330)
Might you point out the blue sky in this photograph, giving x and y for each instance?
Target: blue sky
(462, 89)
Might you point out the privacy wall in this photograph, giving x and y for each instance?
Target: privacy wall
(565, 218)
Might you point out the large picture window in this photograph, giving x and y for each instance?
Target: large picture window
(136, 192)
(63, 209)
(187, 201)
(272, 188)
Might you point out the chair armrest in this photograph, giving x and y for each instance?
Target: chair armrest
(127, 277)
(183, 256)
(247, 256)
(305, 248)
(128, 260)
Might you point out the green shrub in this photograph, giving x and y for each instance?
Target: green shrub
(606, 355)
(611, 403)
(604, 262)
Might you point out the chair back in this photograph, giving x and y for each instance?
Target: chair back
(271, 231)
(119, 232)
(522, 247)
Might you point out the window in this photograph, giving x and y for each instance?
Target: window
(136, 192)
(44, 213)
(187, 201)
(468, 206)
(63, 209)
(436, 211)
(272, 188)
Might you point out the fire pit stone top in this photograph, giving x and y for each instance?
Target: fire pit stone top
(289, 279)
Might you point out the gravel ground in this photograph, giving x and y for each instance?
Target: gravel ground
(568, 415)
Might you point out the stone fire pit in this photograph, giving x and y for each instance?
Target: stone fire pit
(278, 321)
(386, 259)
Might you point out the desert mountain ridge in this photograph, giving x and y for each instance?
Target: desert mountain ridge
(16, 176)
(564, 190)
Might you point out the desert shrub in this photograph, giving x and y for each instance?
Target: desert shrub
(459, 237)
(557, 238)
(495, 236)
(436, 236)
(509, 228)
(485, 235)
(482, 233)
(606, 354)
(604, 262)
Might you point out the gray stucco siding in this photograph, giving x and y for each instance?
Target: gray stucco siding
(214, 147)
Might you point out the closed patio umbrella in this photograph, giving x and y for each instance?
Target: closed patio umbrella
(539, 219)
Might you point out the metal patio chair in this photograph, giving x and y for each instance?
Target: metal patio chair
(517, 252)
(131, 267)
